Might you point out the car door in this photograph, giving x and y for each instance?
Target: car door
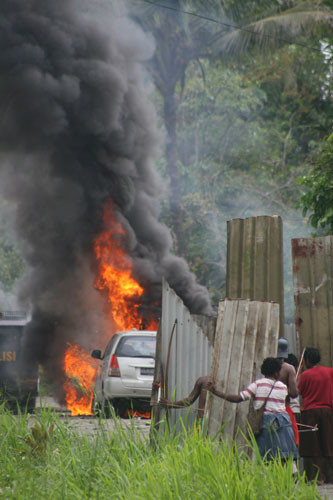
(103, 371)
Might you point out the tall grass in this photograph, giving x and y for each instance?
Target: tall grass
(42, 457)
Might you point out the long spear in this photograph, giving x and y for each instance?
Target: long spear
(300, 364)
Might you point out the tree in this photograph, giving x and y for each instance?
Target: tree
(318, 200)
(244, 134)
(181, 38)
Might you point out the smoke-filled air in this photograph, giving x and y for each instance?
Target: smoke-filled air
(78, 145)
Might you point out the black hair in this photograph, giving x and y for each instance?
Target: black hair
(292, 360)
(270, 366)
(312, 355)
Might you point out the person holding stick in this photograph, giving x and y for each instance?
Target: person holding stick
(276, 437)
(316, 388)
(199, 391)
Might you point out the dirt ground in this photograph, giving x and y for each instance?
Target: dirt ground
(90, 424)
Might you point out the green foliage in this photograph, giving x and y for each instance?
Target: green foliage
(121, 464)
(318, 200)
(183, 39)
(245, 133)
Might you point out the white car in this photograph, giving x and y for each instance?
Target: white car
(126, 376)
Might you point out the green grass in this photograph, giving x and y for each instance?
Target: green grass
(42, 457)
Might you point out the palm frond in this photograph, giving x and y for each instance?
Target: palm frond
(273, 31)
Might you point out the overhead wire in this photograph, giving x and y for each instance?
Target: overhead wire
(229, 25)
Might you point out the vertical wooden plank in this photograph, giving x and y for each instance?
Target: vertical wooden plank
(329, 270)
(260, 261)
(234, 258)
(221, 360)
(273, 329)
(261, 339)
(235, 370)
(319, 296)
(275, 281)
(247, 259)
(312, 269)
(247, 368)
(247, 332)
(255, 260)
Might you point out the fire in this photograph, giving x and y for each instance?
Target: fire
(124, 294)
(80, 374)
(115, 275)
(136, 414)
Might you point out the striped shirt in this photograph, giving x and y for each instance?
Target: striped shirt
(259, 390)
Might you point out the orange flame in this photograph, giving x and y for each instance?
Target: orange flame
(80, 373)
(136, 414)
(124, 295)
(115, 275)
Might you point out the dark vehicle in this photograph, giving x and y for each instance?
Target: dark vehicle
(18, 387)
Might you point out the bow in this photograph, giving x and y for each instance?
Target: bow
(166, 377)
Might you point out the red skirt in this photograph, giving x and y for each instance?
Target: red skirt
(293, 424)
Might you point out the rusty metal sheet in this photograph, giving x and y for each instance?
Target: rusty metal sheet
(255, 260)
(246, 333)
(313, 291)
(190, 349)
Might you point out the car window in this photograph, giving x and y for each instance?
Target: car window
(110, 345)
(136, 347)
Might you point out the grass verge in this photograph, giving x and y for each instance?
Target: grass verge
(42, 457)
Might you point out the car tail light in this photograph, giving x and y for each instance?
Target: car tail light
(114, 370)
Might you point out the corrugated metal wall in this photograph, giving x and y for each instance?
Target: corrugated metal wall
(190, 349)
(313, 273)
(255, 260)
(246, 333)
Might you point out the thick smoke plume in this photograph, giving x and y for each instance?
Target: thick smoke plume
(76, 128)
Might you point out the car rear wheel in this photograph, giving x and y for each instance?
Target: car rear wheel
(121, 407)
(125, 407)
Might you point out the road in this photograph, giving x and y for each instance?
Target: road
(89, 424)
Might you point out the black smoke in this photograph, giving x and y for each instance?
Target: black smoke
(77, 128)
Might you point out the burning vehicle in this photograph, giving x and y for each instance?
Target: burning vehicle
(18, 382)
(78, 150)
(126, 376)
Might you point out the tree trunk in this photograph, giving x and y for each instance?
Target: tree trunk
(170, 117)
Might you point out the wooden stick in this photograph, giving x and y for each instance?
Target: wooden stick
(300, 364)
(309, 426)
(308, 430)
